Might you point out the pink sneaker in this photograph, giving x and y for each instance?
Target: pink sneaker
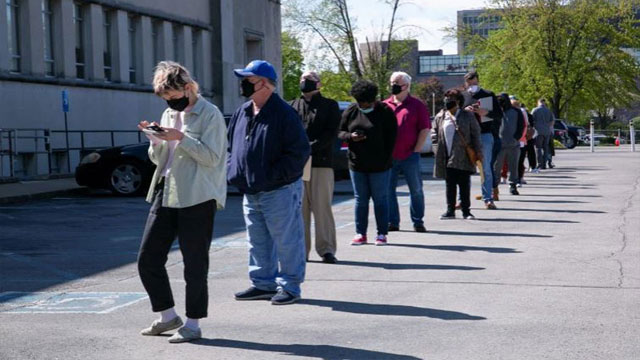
(381, 240)
(359, 239)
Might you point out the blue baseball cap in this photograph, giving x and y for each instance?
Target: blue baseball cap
(258, 68)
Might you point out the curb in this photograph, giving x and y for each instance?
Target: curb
(41, 196)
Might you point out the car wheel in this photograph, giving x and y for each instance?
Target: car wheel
(571, 142)
(127, 179)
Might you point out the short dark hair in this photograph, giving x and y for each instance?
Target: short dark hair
(542, 100)
(364, 91)
(471, 75)
(455, 94)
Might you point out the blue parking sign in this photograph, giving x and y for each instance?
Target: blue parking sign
(65, 101)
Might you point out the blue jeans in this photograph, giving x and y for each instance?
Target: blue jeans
(497, 146)
(410, 167)
(487, 168)
(276, 236)
(376, 186)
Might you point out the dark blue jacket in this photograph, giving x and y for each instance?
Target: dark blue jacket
(266, 151)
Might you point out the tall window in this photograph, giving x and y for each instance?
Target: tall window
(47, 16)
(78, 23)
(155, 39)
(132, 49)
(106, 52)
(13, 34)
(177, 51)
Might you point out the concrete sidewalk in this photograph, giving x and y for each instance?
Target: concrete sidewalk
(22, 191)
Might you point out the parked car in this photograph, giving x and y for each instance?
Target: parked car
(577, 135)
(597, 138)
(340, 159)
(561, 133)
(125, 170)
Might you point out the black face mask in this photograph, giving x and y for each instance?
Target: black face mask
(247, 88)
(308, 86)
(396, 89)
(179, 104)
(449, 103)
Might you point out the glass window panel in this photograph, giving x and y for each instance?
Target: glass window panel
(79, 39)
(13, 34)
(132, 25)
(47, 16)
(107, 45)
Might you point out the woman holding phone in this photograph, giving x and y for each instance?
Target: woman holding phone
(189, 148)
(369, 127)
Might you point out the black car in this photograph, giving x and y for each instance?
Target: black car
(125, 170)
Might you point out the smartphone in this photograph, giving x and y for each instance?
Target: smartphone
(153, 130)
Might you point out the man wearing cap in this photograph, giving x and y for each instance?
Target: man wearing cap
(268, 149)
(487, 110)
(320, 117)
(414, 124)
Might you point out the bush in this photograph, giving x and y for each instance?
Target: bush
(636, 122)
(617, 125)
(609, 140)
(558, 145)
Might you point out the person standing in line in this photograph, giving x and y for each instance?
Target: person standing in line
(268, 149)
(528, 150)
(543, 121)
(188, 186)
(510, 134)
(320, 117)
(414, 125)
(454, 129)
(489, 115)
(369, 127)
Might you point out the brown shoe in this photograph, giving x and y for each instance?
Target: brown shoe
(478, 197)
(496, 194)
(490, 205)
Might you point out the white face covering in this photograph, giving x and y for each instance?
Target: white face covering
(474, 88)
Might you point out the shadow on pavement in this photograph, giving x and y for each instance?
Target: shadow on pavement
(558, 211)
(306, 351)
(391, 310)
(460, 248)
(493, 234)
(562, 195)
(530, 220)
(548, 201)
(391, 266)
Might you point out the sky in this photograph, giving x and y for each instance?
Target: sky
(429, 15)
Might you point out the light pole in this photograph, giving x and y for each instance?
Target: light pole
(433, 104)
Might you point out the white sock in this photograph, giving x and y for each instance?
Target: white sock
(168, 315)
(193, 324)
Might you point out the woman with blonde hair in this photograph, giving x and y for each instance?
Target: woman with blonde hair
(189, 148)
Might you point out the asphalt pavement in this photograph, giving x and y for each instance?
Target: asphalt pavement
(552, 274)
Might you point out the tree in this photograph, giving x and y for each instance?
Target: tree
(570, 52)
(292, 64)
(424, 91)
(332, 23)
(336, 85)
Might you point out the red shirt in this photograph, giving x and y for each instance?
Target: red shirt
(412, 116)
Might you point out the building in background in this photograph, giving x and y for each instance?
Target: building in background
(449, 69)
(478, 22)
(103, 53)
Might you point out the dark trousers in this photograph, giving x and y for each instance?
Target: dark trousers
(529, 153)
(193, 226)
(455, 178)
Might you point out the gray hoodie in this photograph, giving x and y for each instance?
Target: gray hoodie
(511, 128)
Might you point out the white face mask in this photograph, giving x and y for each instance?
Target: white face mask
(474, 88)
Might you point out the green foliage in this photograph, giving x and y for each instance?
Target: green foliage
(292, 64)
(636, 122)
(570, 52)
(336, 85)
(617, 125)
(425, 89)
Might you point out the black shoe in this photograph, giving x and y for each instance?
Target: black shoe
(469, 216)
(420, 228)
(551, 166)
(393, 228)
(329, 258)
(253, 293)
(284, 298)
(514, 191)
(448, 215)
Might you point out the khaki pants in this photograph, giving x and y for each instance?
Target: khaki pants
(318, 195)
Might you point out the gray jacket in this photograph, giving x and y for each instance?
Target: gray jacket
(543, 120)
(458, 159)
(511, 128)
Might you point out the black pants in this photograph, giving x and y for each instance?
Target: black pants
(458, 178)
(193, 226)
(528, 152)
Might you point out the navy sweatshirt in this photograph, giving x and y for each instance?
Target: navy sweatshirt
(266, 151)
